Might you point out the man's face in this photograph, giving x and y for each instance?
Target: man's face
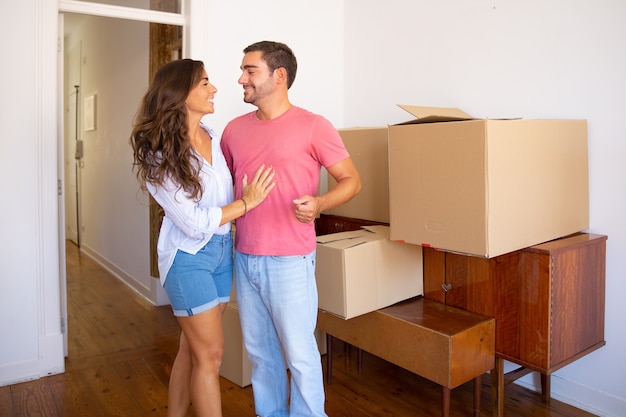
(256, 78)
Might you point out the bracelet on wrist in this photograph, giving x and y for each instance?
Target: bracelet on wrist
(245, 207)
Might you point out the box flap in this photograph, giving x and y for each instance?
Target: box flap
(334, 237)
(350, 239)
(378, 229)
(434, 114)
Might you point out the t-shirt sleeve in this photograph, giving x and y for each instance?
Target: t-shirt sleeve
(226, 149)
(328, 146)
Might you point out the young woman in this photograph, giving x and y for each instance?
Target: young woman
(178, 160)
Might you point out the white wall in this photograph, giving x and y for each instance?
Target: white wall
(534, 59)
(314, 30)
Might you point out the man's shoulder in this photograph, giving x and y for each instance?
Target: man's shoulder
(304, 112)
(309, 115)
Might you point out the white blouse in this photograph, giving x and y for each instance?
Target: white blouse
(189, 225)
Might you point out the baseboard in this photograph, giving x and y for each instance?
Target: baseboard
(578, 395)
(150, 293)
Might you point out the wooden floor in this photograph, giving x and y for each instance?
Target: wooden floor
(121, 349)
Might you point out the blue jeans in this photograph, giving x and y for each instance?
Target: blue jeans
(277, 300)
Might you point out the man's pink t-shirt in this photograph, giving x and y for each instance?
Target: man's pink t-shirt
(296, 144)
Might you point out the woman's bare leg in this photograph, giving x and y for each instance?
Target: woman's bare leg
(205, 340)
(178, 390)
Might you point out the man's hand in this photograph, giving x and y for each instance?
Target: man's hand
(306, 208)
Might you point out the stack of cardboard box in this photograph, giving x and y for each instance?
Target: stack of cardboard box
(477, 187)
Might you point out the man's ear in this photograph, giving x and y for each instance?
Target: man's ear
(280, 75)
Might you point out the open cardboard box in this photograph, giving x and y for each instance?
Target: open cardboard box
(361, 271)
(486, 187)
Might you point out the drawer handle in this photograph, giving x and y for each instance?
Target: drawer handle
(446, 286)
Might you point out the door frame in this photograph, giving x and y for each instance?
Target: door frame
(182, 19)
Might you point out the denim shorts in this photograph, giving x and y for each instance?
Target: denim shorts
(197, 283)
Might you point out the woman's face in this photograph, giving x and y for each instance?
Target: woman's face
(200, 98)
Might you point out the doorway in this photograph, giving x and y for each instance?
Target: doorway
(105, 72)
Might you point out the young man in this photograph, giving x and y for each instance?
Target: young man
(275, 243)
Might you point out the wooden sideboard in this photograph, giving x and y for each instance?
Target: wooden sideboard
(443, 344)
(330, 223)
(548, 299)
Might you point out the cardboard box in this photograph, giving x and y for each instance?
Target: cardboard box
(368, 150)
(236, 366)
(362, 271)
(486, 187)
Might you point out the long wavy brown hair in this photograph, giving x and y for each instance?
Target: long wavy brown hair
(159, 138)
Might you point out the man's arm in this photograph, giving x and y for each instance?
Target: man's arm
(348, 185)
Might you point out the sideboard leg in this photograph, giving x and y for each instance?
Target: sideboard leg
(497, 388)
